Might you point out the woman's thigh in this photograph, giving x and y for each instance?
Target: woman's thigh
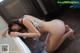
(57, 29)
(52, 42)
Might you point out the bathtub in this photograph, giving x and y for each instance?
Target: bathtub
(16, 45)
(23, 47)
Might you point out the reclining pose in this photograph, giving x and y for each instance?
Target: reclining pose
(57, 30)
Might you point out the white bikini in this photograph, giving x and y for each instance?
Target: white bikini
(37, 23)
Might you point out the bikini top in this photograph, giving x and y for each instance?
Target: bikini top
(35, 21)
(37, 41)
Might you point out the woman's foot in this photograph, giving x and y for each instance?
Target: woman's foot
(70, 32)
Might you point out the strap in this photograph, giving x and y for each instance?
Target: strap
(21, 20)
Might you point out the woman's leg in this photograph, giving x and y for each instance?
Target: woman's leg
(55, 41)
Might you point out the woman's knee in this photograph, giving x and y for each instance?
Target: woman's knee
(52, 49)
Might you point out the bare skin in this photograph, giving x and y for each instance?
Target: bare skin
(56, 28)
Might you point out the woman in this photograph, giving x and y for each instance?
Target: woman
(57, 30)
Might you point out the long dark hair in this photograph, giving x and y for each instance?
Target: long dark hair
(16, 21)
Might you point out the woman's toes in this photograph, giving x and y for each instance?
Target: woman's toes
(71, 35)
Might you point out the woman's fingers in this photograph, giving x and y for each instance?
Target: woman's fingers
(13, 34)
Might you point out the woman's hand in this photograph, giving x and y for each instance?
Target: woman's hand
(14, 34)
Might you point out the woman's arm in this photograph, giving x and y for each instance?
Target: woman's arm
(28, 34)
(30, 26)
(14, 34)
(33, 31)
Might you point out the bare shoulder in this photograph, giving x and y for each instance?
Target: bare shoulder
(28, 16)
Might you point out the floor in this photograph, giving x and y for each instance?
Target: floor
(72, 18)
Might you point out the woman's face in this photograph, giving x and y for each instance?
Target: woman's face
(16, 27)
